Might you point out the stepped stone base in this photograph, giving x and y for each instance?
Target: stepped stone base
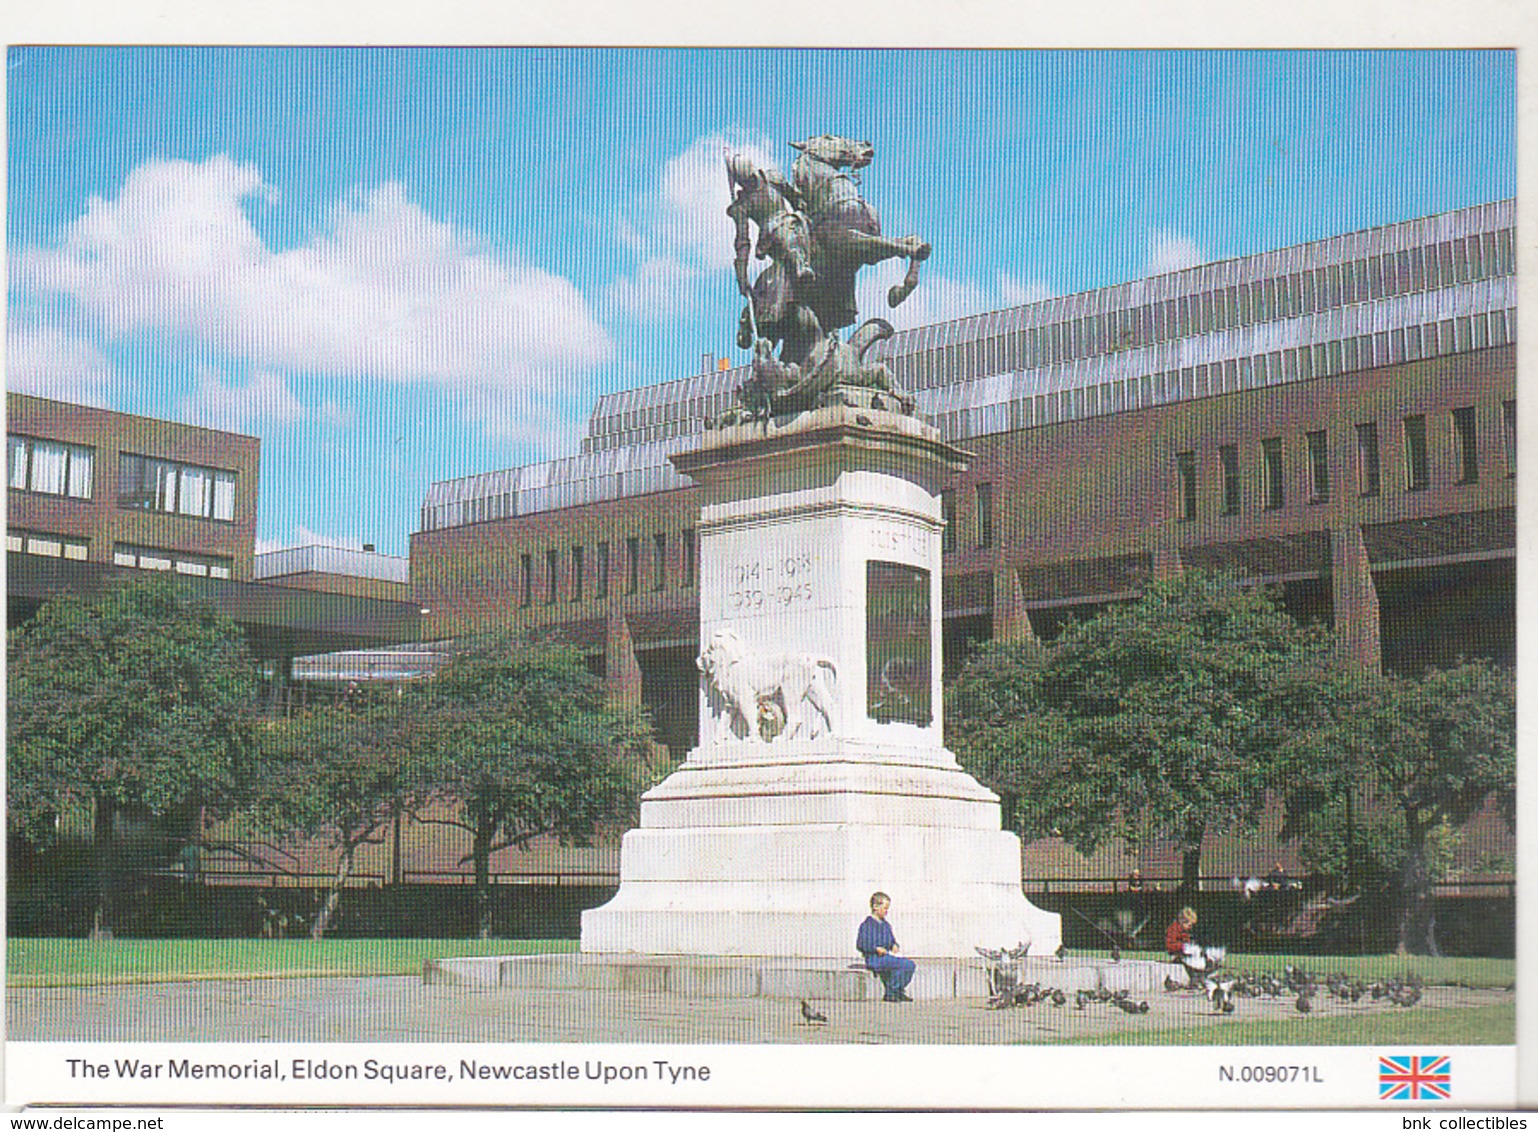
(763, 977)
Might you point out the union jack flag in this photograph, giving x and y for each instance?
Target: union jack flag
(1415, 1078)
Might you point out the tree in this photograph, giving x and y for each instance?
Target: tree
(1437, 748)
(521, 739)
(136, 708)
(340, 773)
(1156, 718)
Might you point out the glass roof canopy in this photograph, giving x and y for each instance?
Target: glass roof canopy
(1434, 285)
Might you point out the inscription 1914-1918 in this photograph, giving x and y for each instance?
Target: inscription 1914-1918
(774, 582)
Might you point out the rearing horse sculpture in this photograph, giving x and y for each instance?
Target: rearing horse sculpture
(818, 232)
(846, 232)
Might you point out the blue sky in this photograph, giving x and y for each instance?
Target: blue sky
(403, 265)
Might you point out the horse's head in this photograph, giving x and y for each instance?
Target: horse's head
(838, 152)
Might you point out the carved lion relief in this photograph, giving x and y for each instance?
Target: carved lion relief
(765, 698)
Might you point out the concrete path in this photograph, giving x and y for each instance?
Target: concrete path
(407, 1010)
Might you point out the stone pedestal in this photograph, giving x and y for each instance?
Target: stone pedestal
(821, 774)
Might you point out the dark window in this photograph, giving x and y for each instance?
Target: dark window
(527, 562)
(984, 515)
(601, 582)
(659, 560)
(149, 484)
(1417, 473)
(1368, 469)
(1271, 454)
(687, 540)
(552, 567)
(1186, 463)
(632, 565)
(1509, 429)
(576, 573)
(1229, 454)
(1466, 439)
(948, 514)
(1319, 465)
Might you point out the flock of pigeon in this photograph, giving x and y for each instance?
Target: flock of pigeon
(1302, 986)
(1203, 969)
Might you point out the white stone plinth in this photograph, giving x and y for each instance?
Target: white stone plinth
(799, 802)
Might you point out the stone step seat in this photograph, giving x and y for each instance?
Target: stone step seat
(741, 976)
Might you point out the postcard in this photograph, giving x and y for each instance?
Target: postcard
(766, 577)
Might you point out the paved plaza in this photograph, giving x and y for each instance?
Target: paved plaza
(406, 1009)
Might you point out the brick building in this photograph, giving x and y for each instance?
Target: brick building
(1336, 418)
(93, 494)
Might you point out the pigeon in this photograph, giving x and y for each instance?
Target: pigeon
(1115, 955)
(1173, 984)
(811, 1016)
(989, 954)
(1409, 996)
(1062, 951)
(1058, 997)
(1303, 1005)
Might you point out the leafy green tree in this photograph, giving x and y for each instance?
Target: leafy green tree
(1436, 748)
(339, 774)
(1157, 718)
(136, 708)
(523, 742)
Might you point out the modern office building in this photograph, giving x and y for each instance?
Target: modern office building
(1336, 418)
(95, 493)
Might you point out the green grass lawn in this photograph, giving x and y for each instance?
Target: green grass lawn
(1444, 971)
(1465, 1026)
(79, 962)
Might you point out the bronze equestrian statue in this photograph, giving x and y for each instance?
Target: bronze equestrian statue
(817, 232)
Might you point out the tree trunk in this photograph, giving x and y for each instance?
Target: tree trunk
(1191, 869)
(334, 896)
(481, 854)
(1417, 916)
(104, 858)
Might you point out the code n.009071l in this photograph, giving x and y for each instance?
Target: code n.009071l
(1272, 1074)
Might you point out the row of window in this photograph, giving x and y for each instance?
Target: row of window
(145, 483)
(50, 468)
(139, 557)
(1452, 262)
(1232, 375)
(540, 581)
(1463, 433)
(45, 545)
(152, 558)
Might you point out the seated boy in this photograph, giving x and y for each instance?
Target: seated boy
(879, 947)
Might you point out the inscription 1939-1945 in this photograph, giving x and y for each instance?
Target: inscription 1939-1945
(774, 582)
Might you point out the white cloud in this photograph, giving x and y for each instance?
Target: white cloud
(49, 363)
(303, 536)
(683, 232)
(660, 286)
(383, 290)
(1017, 293)
(265, 399)
(937, 298)
(336, 415)
(1170, 251)
(695, 194)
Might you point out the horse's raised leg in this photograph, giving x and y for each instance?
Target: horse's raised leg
(897, 294)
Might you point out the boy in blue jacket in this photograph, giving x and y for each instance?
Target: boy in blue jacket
(879, 947)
